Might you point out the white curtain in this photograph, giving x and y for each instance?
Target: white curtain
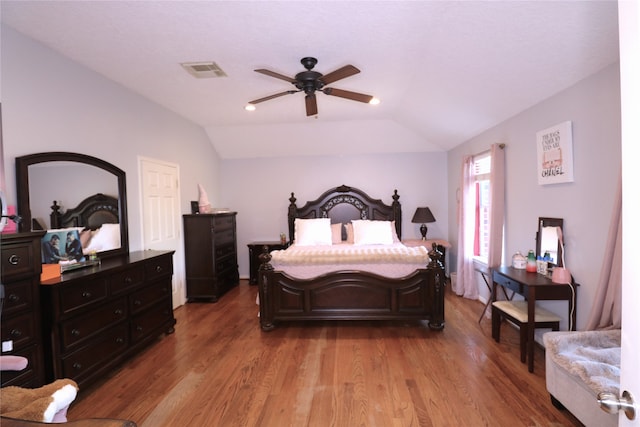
(496, 217)
(606, 312)
(466, 283)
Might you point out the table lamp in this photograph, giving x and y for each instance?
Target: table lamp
(422, 216)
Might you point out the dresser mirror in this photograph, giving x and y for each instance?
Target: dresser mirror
(70, 179)
(547, 239)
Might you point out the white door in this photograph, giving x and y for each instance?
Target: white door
(160, 194)
(629, 27)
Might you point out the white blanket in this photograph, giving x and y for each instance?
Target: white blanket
(396, 253)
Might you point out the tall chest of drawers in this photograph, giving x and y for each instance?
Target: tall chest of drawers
(211, 258)
(96, 317)
(20, 323)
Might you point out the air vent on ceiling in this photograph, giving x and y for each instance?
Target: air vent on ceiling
(204, 70)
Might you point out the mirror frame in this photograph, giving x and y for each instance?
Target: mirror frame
(22, 187)
(549, 222)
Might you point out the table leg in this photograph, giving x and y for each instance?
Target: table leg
(531, 329)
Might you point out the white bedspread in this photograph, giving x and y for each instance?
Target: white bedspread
(396, 260)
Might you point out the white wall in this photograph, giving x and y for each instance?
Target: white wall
(259, 189)
(50, 103)
(593, 107)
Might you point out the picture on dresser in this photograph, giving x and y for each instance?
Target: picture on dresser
(62, 245)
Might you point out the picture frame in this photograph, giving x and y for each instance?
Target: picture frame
(62, 245)
(555, 154)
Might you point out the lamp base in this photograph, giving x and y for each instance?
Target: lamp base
(423, 231)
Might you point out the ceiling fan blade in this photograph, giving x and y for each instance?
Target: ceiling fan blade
(276, 75)
(340, 73)
(354, 96)
(312, 105)
(266, 98)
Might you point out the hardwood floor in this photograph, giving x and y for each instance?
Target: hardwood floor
(220, 369)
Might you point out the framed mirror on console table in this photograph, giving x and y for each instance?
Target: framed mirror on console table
(95, 317)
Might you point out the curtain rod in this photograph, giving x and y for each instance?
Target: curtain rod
(482, 153)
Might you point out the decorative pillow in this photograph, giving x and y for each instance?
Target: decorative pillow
(107, 237)
(366, 232)
(336, 233)
(310, 232)
(349, 227)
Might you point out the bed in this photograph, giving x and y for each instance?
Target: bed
(347, 291)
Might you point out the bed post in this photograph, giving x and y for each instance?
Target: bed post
(266, 311)
(293, 213)
(397, 213)
(435, 272)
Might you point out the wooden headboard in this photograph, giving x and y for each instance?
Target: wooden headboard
(92, 212)
(343, 204)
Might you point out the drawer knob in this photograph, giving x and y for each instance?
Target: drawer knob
(118, 311)
(137, 302)
(77, 366)
(75, 332)
(14, 259)
(16, 333)
(139, 328)
(14, 298)
(128, 280)
(158, 269)
(86, 294)
(119, 340)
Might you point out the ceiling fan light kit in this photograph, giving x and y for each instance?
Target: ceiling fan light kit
(310, 82)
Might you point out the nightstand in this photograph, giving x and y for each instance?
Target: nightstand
(255, 249)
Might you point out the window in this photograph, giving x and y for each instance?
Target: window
(481, 174)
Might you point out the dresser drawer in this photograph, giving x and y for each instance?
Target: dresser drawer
(225, 237)
(222, 251)
(147, 322)
(126, 279)
(499, 279)
(160, 267)
(226, 263)
(82, 294)
(19, 329)
(18, 297)
(28, 377)
(83, 327)
(146, 297)
(17, 259)
(224, 222)
(100, 351)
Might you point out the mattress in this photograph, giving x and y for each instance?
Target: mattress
(393, 261)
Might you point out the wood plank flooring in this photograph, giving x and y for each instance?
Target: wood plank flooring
(220, 369)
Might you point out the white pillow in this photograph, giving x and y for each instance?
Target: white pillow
(107, 237)
(336, 233)
(310, 232)
(366, 232)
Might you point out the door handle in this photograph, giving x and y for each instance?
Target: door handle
(611, 404)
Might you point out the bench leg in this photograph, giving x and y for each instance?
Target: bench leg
(523, 342)
(496, 319)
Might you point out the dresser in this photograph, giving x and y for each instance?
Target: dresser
(211, 259)
(96, 317)
(20, 323)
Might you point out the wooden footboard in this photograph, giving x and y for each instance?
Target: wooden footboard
(352, 295)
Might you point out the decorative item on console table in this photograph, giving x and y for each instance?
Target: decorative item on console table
(255, 249)
(20, 322)
(96, 317)
(211, 258)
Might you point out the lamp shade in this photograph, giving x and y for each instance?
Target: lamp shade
(422, 216)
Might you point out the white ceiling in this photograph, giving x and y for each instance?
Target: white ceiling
(444, 70)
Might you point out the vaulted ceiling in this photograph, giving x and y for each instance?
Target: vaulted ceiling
(444, 70)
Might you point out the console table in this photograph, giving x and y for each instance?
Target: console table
(534, 287)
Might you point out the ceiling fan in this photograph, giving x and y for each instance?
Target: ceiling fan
(310, 81)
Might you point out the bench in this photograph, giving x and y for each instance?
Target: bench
(516, 312)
